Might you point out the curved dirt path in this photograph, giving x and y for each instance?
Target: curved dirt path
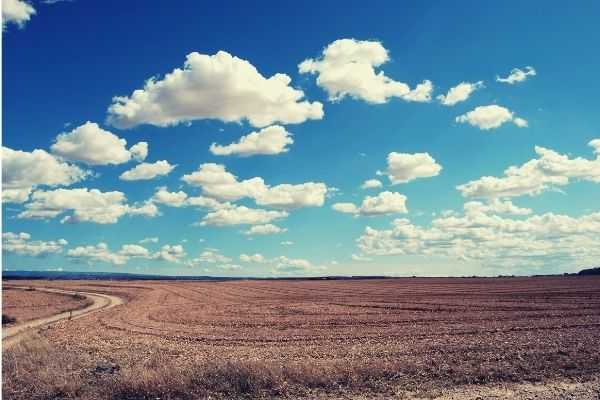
(13, 334)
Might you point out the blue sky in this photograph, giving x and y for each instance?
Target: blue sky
(366, 105)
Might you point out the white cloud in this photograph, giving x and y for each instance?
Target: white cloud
(93, 145)
(404, 167)
(267, 229)
(149, 240)
(86, 206)
(287, 243)
(347, 68)
(222, 185)
(254, 258)
(170, 253)
(268, 141)
(147, 171)
(172, 199)
(181, 199)
(23, 171)
(520, 122)
(382, 204)
(212, 257)
(548, 171)
(480, 235)
(220, 87)
(139, 151)
(459, 93)
(490, 117)
(134, 250)
(360, 257)
(241, 215)
(98, 253)
(517, 75)
(17, 12)
(101, 253)
(371, 184)
(494, 206)
(20, 243)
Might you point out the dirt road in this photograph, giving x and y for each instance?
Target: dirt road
(13, 334)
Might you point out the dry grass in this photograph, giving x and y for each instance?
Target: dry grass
(28, 304)
(255, 339)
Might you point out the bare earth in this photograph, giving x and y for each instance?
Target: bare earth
(404, 338)
(26, 305)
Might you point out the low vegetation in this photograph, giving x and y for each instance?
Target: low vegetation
(256, 339)
(7, 319)
(29, 303)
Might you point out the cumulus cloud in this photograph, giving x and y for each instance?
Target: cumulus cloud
(97, 253)
(268, 141)
(181, 199)
(459, 93)
(17, 12)
(241, 215)
(147, 171)
(83, 205)
(93, 145)
(24, 171)
(371, 184)
(382, 204)
(517, 75)
(267, 229)
(551, 169)
(139, 151)
(101, 253)
(134, 250)
(170, 253)
(490, 117)
(222, 185)
(255, 258)
(347, 67)
(221, 87)
(21, 243)
(405, 167)
(481, 235)
(281, 264)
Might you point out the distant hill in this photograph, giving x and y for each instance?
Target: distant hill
(590, 271)
(122, 276)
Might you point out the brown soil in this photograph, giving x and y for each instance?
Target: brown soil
(26, 305)
(376, 338)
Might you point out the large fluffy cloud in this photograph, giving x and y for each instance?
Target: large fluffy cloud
(21, 243)
(220, 184)
(24, 171)
(83, 205)
(17, 12)
(268, 141)
(405, 167)
(93, 145)
(101, 253)
(490, 117)
(347, 67)
(550, 169)
(221, 87)
(459, 93)
(147, 171)
(491, 239)
(382, 204)
(517, 75)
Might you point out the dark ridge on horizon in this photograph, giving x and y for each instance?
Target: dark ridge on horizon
(126, 276)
